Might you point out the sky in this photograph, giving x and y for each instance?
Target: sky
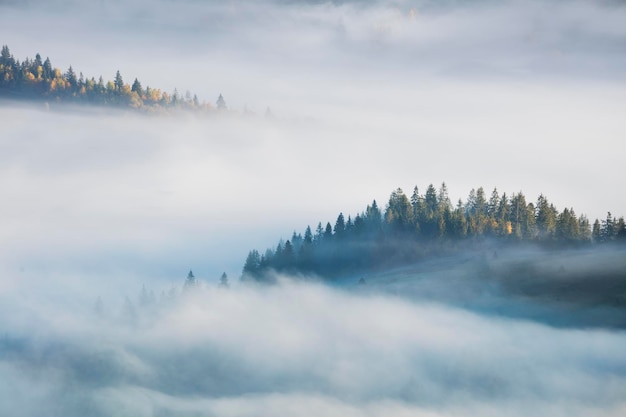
(367, 96)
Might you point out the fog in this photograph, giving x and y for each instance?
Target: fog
(366, 97)
(581, 288)
(298, 349)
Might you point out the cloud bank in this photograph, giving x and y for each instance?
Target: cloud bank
(298, 349)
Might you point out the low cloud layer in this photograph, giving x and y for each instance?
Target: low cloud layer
(298, 349)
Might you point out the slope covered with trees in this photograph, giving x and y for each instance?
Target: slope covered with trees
(426, 225)
(37, 79)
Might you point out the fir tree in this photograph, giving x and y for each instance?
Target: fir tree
(224, 281)
(118, 82)
(190, 282)
(221, 103)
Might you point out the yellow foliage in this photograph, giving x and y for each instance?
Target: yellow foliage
(155, 95)
(29, 77)
(508, 228)
(135, 101)
(57, 84)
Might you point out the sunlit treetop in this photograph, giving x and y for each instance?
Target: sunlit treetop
(425, 225)
(37, 80)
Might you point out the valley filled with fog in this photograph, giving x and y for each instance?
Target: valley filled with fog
(101, 206)
(301, 349)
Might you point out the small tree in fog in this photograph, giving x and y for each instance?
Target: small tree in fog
(136, 88)
(221, 103)
(224, 281)
(190, 282)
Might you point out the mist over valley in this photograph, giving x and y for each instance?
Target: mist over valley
(128, 219)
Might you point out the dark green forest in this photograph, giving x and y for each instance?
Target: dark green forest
(37, 79)
(425, 226)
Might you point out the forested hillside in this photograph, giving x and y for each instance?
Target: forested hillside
(37, 79)
(427, 225)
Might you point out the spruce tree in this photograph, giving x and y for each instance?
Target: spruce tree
(137, 87)
(221, 103)
(190, 282)
(70, 76)
(340, 226)
(253, 263)
(118, 82)
(224, 280)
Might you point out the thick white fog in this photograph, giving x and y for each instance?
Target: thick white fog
(366, 97)
(301, 350)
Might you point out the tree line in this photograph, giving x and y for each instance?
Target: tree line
(38, 79)
(425, 225)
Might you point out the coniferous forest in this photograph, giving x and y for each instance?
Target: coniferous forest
(37, 79)
(425, 226)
